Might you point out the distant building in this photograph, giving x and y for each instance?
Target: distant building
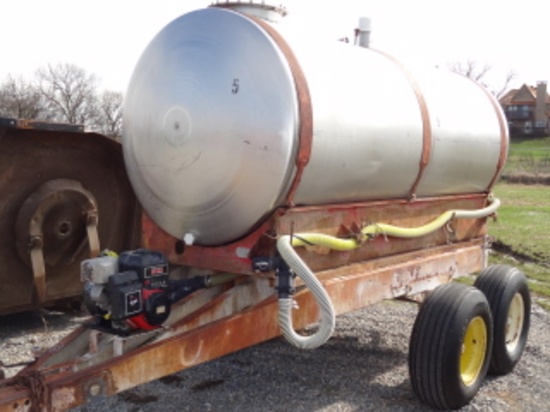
(527, 110)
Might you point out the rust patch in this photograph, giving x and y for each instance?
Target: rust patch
(64, 398)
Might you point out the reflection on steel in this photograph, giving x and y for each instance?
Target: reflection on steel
(218, 136)
(75, 377)
(64, 192)
(210, 127)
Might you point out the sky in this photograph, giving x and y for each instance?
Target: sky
(107, 37)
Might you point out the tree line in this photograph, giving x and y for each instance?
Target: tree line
(472, 69)
(63, 93)
(66, 93)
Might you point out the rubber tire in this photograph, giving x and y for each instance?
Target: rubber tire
(500, 283)
(436, 345)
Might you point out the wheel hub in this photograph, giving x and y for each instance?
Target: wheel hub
(514, 322)
(474, 348)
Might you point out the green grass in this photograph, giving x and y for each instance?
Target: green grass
(523, 226)
(523, 221)
(529, 155)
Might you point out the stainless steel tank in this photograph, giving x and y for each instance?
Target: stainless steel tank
(228, 117)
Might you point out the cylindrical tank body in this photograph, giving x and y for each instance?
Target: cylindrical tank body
(221, 109)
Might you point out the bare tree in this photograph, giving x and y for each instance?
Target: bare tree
(109, 119)
(510, 75)
(21, 100)
(470, 69)
(474, 71)
(69, 93)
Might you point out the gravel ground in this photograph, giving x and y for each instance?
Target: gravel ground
(362, 368)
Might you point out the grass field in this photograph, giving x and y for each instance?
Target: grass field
(529, 155)
(522, 234)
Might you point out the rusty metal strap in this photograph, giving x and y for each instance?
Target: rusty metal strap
(34, 381)
(38, 268)
(305, 132)
(93, 235)
(426, 124)
(503, 135)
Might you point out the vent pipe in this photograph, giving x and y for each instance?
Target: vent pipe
(362, 33)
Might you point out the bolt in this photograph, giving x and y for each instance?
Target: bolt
(36, 242)
(95, 389)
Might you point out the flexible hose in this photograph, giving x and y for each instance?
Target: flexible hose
(326, 326)
(328, 317)
(376, 229)
(437, 223)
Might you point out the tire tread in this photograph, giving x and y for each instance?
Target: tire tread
(433, 333)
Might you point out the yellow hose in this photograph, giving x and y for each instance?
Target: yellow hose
(376, 229)
(319, 239)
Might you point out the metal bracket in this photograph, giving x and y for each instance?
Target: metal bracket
(38, 268)
(285, 280)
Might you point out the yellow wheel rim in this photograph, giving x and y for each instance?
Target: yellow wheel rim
(474, 348)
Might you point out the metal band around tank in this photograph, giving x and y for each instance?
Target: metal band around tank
(305, 113)
(426, 125)
(503, 136)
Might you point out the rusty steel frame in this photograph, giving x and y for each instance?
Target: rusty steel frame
(67, 379)
(340, 220)
(217, 321)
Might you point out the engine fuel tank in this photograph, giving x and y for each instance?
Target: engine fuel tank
(228, 117)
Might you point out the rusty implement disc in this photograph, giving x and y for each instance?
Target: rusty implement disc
(51, 228)
(58, 188)
(56, 214)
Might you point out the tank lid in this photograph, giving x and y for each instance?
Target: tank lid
(261, 9)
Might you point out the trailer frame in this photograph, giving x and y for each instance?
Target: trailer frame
(214, 322)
